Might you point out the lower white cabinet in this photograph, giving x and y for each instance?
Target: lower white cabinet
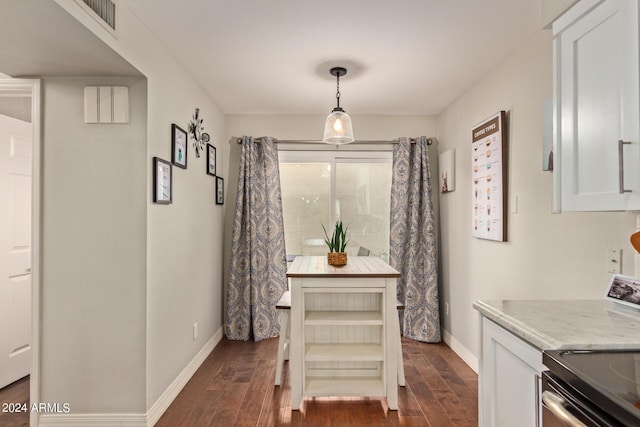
(509, 379)
(344, 342)
(344, 329)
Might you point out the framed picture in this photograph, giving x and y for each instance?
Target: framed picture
(547, 135)
(489, 179)
(178, 146)
(624, 290)
(448, 171)
(211, 160)
(162, 182)
(219, 191)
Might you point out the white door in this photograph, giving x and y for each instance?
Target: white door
(15, 249)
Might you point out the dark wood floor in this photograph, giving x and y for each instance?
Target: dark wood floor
(234, 387)
(16, 393)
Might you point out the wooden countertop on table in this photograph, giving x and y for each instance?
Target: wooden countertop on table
(357, 266)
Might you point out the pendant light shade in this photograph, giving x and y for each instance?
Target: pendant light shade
(337, 128)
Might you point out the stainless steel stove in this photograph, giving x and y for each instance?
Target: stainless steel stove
(591, 388)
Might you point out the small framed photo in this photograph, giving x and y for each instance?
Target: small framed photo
(162, 182)
(211, 160)
(624, 290)
(219, 191)
(178, 146)
(448, 171)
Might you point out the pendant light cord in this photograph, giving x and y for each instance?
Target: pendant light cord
(338, 91)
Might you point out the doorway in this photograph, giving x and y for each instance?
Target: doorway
(20, 257)
(16, 140)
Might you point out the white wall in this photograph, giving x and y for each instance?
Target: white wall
(310, 127)
(92, 351)
(183, 240)
(560, 256)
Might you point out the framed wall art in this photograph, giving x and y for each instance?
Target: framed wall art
(178, 146)
(219, 191)
(489, 175)
(547, 135)
(211, 160)
(162, 181)
(447, 171)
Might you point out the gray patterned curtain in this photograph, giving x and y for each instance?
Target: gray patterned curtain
(258, 259)
(413, 250)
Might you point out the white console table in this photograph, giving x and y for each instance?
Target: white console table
(344, 329)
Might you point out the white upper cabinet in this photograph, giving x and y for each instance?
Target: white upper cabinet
(596, 114)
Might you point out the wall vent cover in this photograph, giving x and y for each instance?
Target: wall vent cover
(105, 9)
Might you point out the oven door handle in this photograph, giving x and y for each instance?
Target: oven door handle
(556, 405)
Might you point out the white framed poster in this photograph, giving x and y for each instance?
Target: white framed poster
(488, 154)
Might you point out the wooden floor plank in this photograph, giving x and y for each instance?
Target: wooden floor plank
(18, 394)
(435, 414)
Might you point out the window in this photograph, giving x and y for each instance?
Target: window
(322, 187)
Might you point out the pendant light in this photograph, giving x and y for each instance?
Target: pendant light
(337, 128)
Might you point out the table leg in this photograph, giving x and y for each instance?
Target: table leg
(392, 327)
(295, 345)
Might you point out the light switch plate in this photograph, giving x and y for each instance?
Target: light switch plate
(613, 261)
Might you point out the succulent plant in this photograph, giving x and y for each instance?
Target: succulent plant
(338, 241)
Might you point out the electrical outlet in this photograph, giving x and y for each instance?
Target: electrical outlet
(613, 261)
(446, 308)
(195, 331)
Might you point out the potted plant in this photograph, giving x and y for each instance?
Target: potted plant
(336, 243)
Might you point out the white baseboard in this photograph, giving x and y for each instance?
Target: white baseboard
(461, 351)
(92, 420)
(163, 402)
(135, 420)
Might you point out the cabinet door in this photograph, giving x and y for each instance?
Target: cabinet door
(596, 65)
(509, 387)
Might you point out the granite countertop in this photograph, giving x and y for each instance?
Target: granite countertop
(567, 324)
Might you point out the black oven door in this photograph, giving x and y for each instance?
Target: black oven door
(562, 406)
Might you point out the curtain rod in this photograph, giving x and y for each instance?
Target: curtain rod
(318, 141)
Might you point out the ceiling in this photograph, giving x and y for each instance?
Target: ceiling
(273, 57)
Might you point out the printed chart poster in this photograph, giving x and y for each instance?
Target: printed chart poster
(487, 186)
